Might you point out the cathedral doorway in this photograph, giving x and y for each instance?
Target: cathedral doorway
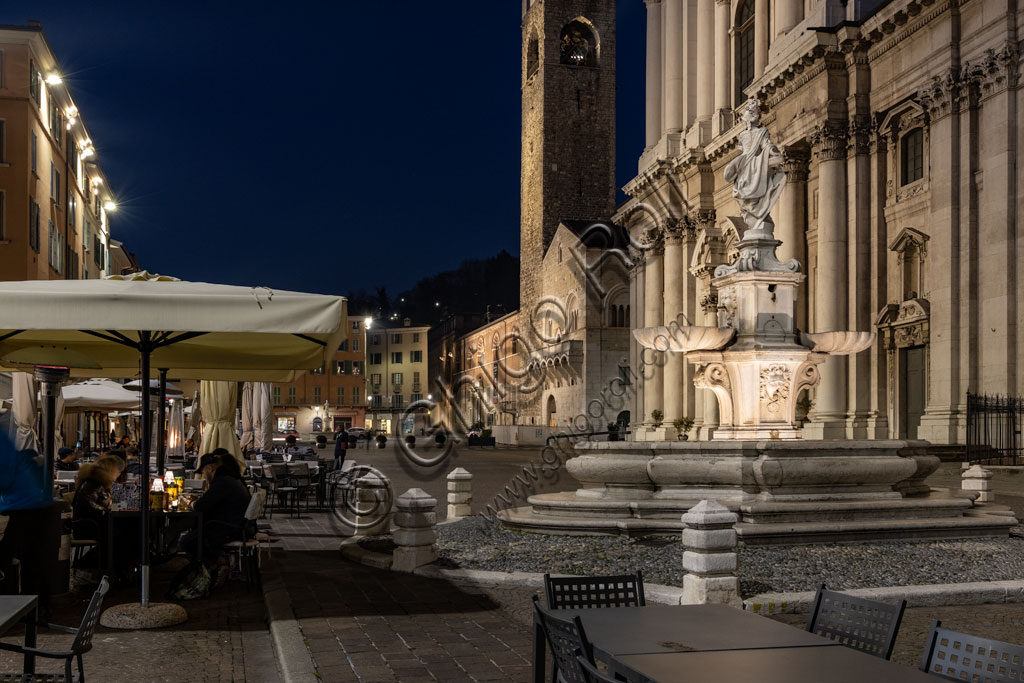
(551, 412)
(912, 390)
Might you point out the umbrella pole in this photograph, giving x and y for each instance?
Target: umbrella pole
(146, 348)
(161, 443)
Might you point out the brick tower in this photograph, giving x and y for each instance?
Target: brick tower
(568, 133)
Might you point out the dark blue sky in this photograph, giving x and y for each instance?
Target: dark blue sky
(322, 147)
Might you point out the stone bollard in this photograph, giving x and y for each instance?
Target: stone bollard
(414, 533)
(977, 478)
(371, 514)
(460, 493)
(710, 555)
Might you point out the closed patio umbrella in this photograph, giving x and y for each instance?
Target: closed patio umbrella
(245, 441)
(23, 386)
(218, 400)
(129, 326)
(263, 416)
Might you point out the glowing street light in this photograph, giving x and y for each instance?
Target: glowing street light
(54, 79)
(109, 206)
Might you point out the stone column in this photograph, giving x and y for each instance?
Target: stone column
(460, 493)
(858, 176)
(673, 117)
(415, 537)
(653, 361)
(762, 11)
(372, 516)
(705, 68)
(654, 83)
(638, 282)
(791, 224)
(788, 13)
(710, 555)
(723, 100)
(976, 479)
(674, 277)
(831, 282)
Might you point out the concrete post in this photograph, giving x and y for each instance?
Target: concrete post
(414, 534)
(370, 516)
(977, 478)
(460, 493)
(710, 555)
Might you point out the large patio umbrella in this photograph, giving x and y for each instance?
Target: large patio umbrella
(100, 395)
(263, 417)
(195, 418)
(193, 330)
(218, 399)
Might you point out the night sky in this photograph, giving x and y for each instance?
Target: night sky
(320, 147)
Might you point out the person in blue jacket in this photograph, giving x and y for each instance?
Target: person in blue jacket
(33, 527)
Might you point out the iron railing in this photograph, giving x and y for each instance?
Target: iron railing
(994, 429)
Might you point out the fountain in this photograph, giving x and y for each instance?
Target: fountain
(784, 488)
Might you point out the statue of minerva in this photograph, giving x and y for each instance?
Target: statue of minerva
(756, 174)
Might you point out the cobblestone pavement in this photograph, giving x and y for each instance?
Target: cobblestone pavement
(225, 639)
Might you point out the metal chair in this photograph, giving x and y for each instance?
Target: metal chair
(583, 592)
(958, 656)
(866, 625)
(248, 548)
(79, 646)
(302, 479)
(565, 637)
(86, 534)
(279, 488)
(590, 672)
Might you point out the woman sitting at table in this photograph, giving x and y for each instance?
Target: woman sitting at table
(223, 507)
(91, 505)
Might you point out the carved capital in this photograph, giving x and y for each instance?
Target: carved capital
(859, 137)
(709, 303)
(654, 242)
(703, 219)
(937, 95)
(829, 141)
(710, 375)
(795, 163)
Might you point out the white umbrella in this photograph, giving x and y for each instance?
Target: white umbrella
(263, 416)
(58, 438)
(100, 395)
(247, 436)
(189, 329)
(24, 411)
(154, 386)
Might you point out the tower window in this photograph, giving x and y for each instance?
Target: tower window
(532, 57)
(744, 36)
(578, 45)
(912, 156)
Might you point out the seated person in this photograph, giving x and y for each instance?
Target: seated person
(66, 460)
(134, 465)
(90, 507)
(223, 507)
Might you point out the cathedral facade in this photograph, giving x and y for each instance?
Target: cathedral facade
(899, 122)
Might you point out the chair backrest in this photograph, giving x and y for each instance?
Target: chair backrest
(961, 657)
(276, 471)
(255, 507)
(582, 592)
(66, 475)
(273, 457)
(193, 483)
(83, 639)
(866, 625)
(590, 672)
(565, 638)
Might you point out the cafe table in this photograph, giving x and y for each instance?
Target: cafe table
(165, 516)
(618, 632)
(16, 608)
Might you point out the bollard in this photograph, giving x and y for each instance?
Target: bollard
(977, 478)
(460, 493)
(371, 513)
(710, 555)
(414, 534)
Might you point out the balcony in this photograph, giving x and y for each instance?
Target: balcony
(563, 354)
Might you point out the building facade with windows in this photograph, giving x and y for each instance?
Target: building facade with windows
(55, 201)
(899, 123)
(396, 378)
(325, 400)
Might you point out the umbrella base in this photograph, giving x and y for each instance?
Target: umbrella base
(132, 615)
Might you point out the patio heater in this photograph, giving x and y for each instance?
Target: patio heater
(50, 378)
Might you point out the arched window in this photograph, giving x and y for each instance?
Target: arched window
(532, 56)
(912, 156)
(578, 45)
(744, 37)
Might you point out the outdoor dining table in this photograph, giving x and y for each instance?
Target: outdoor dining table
(15, 608)
(620, 634)
(153, 516)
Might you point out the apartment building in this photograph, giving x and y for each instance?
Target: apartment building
(396, 378)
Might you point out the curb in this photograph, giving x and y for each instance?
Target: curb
(290, 649)
(931, 595)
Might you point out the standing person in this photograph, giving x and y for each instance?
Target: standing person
(340, 448)
(33, 528)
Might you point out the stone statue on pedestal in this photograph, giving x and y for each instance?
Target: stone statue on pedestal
(756, 174)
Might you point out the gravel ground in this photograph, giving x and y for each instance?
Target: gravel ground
(476, 544)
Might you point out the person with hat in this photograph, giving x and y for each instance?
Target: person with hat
(66, 460)
(223, 507)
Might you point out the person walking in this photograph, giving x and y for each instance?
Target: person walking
(340, 448)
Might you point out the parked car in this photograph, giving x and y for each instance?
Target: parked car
(357, 433)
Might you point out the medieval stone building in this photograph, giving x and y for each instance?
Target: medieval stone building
(900, 123)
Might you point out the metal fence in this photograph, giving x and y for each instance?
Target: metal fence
(994, 429)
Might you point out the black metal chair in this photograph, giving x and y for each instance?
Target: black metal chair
(565, 637)
(280, 490)
(79, 646)
(866, 625)
(961, 657)
(302, 479)
(248, 546)
(85, 535)
(583, 592)
(592, 675)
